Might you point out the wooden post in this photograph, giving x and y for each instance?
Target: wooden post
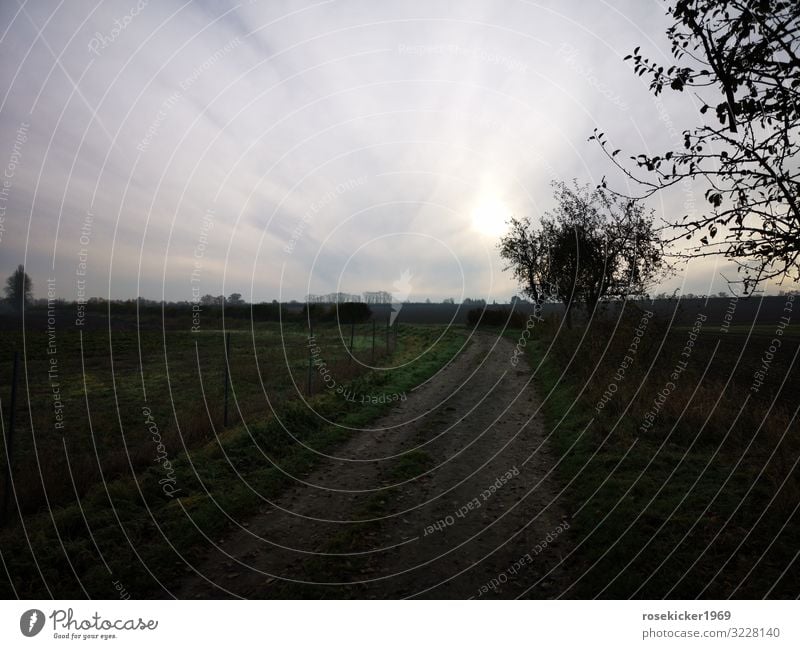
(352, 335)
(309, 372)
(373, 340)
(9, 439)
(227, 375)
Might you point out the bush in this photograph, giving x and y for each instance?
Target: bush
(496, 318)
(348, 312)
(267, 312)
(316, 312)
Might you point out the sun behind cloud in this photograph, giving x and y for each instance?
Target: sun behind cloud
(489, 217)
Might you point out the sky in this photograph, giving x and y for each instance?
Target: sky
(276, 149)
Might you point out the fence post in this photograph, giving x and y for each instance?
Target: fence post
(352, 334)
(373, 340)
(9, 439)
(227, 374)
(310, 364)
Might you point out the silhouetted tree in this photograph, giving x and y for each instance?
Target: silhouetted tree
(744, 57)
(602, 246)
(593, 245)
(525, 248)
(19, 288)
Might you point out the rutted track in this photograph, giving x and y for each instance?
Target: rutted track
(451, 495)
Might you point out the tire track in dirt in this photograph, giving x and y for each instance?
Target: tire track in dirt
(457, 510)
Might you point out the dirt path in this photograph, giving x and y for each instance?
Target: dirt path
(449, 499)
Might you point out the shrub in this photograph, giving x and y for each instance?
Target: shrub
(496, 318)
(348, 312)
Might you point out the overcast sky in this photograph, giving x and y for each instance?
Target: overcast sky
(280, 148)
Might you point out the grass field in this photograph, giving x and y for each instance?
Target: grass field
(678, 447)
(701, 503)
(106, 382)
(143, 470)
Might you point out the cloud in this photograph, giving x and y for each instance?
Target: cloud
(149, 114)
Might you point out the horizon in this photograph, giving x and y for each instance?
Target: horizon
(661, 295)
(276, 149)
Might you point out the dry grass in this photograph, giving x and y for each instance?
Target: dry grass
(712, 484)
(105, 391)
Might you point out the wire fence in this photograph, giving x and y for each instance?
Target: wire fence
(82, 422)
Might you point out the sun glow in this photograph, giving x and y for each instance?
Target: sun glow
(490, 216)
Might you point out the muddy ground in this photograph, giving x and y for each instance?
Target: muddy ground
(451, 495)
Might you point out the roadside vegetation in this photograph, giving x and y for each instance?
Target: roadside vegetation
(114, 510)
(681, 486)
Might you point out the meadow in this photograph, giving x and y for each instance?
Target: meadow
(679, 459)
(144, 467)
(677, 442)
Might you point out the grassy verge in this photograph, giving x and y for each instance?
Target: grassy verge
(127, 532)
(703, 503)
